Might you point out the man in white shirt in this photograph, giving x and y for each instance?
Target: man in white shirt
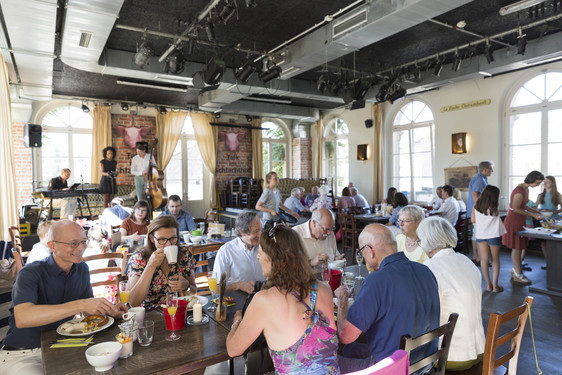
(41, 249)
(318, 237)
(449, 210)
(139, 168)
(293, 202)
(360, 201)
(114, 215)
(239, 257)
(437, 200)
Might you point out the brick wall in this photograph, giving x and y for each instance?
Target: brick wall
(302, 158)
(124, 152)
(23, 166)
(233, 164)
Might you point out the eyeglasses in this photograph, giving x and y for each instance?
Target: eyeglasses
(324, 230)
(363, 247)
(74, 244)
(163, 241)
(400, 221)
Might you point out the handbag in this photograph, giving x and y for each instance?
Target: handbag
(8, 268)
(285, 217)
(257, 357)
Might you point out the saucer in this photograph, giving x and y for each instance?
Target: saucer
(204, 320)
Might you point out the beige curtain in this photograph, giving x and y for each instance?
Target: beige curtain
(168, 133)
(8, 196)
(206, 137)
(317, 161)
(257, 150)
(378, 165)
(101, 137)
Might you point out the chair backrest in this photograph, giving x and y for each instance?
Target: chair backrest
(514, 336)
(201, 277)
(396, 364)
(210, 216)
(119, 271)
(17, 246)
(446, 330)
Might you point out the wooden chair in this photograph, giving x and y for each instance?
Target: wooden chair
(460, 227)
(17, 246)
(440, 357)
(396, 364)
(350, 234)
(117, 271)
(201, 277)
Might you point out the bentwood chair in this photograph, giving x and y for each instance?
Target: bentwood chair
(350, 234)
(201, 277)
(17, 246)
(440, 357)
(117, 271)
(396, 364)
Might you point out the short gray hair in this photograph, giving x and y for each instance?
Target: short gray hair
(244, 221)
(353, 190)
(317, 215)
(485, 165)
(324, 190)
(295, 191)
(436, 233)
(415, 212)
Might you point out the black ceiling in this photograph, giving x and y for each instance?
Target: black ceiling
(270, 23)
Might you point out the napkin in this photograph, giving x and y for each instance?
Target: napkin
(72, 343)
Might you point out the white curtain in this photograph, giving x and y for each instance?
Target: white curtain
(8, 196)
(168, 133)
(101, 137)
(206, 137)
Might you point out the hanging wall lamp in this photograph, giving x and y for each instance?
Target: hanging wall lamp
(458, 143)
(363, 152)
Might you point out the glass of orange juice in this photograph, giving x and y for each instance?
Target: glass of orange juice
(212, 286)
(124, 291)
(172, 308)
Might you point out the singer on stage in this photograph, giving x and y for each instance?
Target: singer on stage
(108, 183)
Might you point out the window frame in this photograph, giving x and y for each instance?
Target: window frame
(331, 134)
(286, 140)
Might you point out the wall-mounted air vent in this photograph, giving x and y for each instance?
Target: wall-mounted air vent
(85, 38)
(349, 23)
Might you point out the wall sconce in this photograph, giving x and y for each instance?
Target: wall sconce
(458, 143)
(362, 152)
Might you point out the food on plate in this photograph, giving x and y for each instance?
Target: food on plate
(227, 299)
(192, 301)
(95, 321)
(89, 324)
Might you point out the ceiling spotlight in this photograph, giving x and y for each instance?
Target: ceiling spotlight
(144, 53)
(323, 82)
(382, 94)
(244, 72)
(488, 52)
(214, 70)
(251, 3)
(190, 47)
(337, 86)
(360, 89)
(438, 67)
(174, 62)
(162, 110)
(227, 12)
(124, 106)
(210, 31)
(85, 108)
(248, 118)
(217, 115)
(521, 42)
(271, 73)
(397, 94)
(457, 62)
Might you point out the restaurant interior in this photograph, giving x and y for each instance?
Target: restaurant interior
(409, 94)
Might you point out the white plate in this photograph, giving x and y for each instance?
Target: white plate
(202, 300)
(539, 230)
(108, 324)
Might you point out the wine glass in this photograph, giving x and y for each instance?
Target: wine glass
(212, 286)
(359, 258)
(124, 292)
(172, 308)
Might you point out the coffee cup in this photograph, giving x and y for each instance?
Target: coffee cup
(136, 313)
(171, 253)
(187, 237)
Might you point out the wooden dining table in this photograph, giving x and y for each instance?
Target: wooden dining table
(198, 347)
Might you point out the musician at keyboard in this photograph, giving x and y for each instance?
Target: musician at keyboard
(67, 205)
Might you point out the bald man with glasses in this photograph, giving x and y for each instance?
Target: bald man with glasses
(318, 237)
(46, 294)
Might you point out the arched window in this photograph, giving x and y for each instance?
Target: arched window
(184, 172)
(413, 151)
(66, 143)
(535, 129)
(275, 148)
(336, 154)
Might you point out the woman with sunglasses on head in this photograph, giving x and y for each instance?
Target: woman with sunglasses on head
(150, 275)
(293, 310)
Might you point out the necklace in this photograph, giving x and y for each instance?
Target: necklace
(411, 244)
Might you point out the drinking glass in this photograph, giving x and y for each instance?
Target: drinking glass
(146, 332)
(212, 286)
(172, 308)
(359, 258)
(124, 292)
(349, 282)
(202, 227)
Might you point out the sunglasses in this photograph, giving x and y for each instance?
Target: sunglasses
(276, 227)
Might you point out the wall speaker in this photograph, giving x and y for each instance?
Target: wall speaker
(32, 135)
(368, 123)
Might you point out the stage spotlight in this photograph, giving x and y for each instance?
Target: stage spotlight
(457, 62)
(337, 86)
(438, 68)
(144, 53)
(521, 42)
(174, 62)
(85, 108)
(124, 106)
(210, 31)
(243, 73)
(213, 71)
(382, 94)
(248, 118)
(489, 52)
(360, 89)
(271, 73)
(190, 47)
(217, 115)
(162, 110)
(227, 12)
(251, 3)
(397, 94)
(323, 82)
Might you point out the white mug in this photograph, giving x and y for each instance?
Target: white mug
(187, 237)
(171, 253)
(136, 313)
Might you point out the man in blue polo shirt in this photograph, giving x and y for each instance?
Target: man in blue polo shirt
(475, 188)
(46, 294)
(400, 298)
(183, 217)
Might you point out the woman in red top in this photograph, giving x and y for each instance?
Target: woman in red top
(135, 225)
(515, 221)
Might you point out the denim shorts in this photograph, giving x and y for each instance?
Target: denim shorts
(496, 241)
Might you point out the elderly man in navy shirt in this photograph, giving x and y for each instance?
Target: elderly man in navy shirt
(400, 298)
(183, 217)
(46, 294)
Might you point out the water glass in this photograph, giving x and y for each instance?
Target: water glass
(146, 332)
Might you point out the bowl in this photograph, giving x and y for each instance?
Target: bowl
(335, 264)
(546, 213)
(103, 356)
(196, 239)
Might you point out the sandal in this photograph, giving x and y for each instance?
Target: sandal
(498, 289)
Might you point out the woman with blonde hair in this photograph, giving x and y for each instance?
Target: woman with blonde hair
(270, 200)
(408, 242)
(550, 200)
